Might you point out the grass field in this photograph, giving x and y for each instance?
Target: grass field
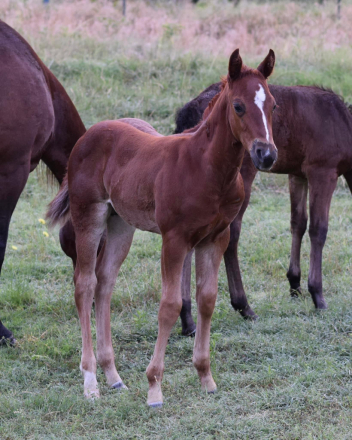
(287, 376)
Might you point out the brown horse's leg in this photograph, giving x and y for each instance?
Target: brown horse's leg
(298, 195)
(348, 177)
(238, 297)
(91, 222)
(321, 187)
(116, 247)
(12, 182)
(208, 259)
(172, 259)
(188, 325)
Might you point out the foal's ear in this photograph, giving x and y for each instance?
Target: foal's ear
(235, 65)
(266, 67)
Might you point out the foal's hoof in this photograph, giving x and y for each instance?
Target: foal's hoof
(92, 394)
(212, 391)
(155, 404)
(248, 314)
(119, 386)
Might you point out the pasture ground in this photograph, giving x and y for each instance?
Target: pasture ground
(287, 376)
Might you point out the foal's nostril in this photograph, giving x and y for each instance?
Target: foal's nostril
(263, 155)
(259, 153)
(266, 157)
(268, 160)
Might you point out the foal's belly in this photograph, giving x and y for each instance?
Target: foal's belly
(143, 219)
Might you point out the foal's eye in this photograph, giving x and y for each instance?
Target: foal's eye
(239, 109)
(274, 108)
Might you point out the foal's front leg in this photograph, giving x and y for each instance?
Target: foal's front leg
(208, 259)
(172, 258)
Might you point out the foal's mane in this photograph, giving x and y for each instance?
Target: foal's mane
(246, 71)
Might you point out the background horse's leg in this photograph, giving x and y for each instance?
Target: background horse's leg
(173, 255)
(322, 184)
(298, 195)
(238, 297)
(188, 325)
(208, 259)
(91, 222)
(116, 247)
(12, 182)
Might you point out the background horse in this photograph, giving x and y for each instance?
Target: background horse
(187, 188)
(312, 129)
(37, 122)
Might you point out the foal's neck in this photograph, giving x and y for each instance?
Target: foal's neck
(225, 153)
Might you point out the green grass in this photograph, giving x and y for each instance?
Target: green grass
(287, 376)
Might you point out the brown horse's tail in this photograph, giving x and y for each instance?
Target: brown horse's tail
(59, 208)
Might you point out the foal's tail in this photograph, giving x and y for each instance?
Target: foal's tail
(59, 208)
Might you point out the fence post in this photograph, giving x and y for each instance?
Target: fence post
(338, 9)
(124, 7)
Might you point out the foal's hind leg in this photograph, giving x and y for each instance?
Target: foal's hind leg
(208, 259)
(322, 184)
(89, 226)
(298, 195)
(172, 258)
(117, 245)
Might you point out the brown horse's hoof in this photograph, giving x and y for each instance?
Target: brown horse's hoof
(248, 314)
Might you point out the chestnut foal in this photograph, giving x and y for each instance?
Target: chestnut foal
(187, 188)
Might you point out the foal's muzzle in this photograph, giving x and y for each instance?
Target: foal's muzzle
(263, 155)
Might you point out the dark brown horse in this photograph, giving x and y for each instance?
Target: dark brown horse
(312, 129)
(37, 122)
(187, 188)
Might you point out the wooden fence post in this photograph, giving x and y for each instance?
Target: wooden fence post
(124, 7)
(338, 9)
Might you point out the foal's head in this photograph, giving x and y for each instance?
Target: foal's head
(250, 108)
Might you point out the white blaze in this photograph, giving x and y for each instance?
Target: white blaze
(259, 100)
